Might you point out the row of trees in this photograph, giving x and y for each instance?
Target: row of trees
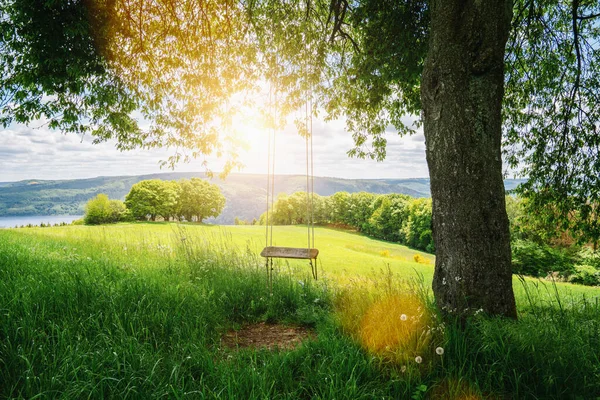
(393, 217)
(539, 247)
(190, 200)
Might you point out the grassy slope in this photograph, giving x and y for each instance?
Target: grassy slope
(136, 311)
(343, 255)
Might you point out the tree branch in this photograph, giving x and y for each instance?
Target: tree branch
(591, 16)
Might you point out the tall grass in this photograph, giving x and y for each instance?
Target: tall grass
(79, 320)
(89, 316)
(552, 351)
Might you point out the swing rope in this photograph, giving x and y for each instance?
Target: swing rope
(270, 251)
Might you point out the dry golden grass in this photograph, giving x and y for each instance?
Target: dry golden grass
(420, 259)
(394, 324)
(392, 320)
(456, 389)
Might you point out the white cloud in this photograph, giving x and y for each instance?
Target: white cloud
(39, 153)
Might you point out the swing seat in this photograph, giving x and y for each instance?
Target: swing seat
(290, 252)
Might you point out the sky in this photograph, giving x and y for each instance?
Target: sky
(35, 152)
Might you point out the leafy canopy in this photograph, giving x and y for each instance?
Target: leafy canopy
(193, 198)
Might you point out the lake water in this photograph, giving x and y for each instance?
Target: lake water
(11, 222)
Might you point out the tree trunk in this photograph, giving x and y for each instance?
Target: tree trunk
(462, 90)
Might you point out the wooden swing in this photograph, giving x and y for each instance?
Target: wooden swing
(304, 253)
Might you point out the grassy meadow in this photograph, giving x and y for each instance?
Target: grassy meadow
(139, 311)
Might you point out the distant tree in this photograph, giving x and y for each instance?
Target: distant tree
(200, 199)
(118, 210)
(299, 204)
(417, 230)
(360, 209)
(238, 221)
(151, 199)
(320, 209)
(102, 210)
(390, 214)
(171, 191)
(339, 208)
(283, 212)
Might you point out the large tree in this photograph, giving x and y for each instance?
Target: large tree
(153, 198)
(461, 92)
(187, 67)
(200, 199)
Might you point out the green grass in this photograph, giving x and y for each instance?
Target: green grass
(137, 311)
(342, 253)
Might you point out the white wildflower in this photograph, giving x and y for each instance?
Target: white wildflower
(439, 351)
(403, 317)
(418, 359)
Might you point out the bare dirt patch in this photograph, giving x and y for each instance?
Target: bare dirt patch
(269, 336)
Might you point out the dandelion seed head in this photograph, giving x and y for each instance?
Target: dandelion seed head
(418, 359)
(403, 317)
(439, 351)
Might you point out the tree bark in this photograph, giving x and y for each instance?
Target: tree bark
(462, 90)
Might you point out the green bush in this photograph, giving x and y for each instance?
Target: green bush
(97, 210)
(531, 258)
(102, 210)
(585, 275)
(587, 256)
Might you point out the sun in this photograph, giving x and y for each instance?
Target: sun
(253, 137)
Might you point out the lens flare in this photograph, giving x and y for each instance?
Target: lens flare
(397, 327)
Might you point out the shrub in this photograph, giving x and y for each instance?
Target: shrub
(421, 260)
(102, 210)
(97, 210)
(530, 258)
(587, 256)
(585, 275)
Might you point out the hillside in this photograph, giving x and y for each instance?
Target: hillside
(245, 193)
